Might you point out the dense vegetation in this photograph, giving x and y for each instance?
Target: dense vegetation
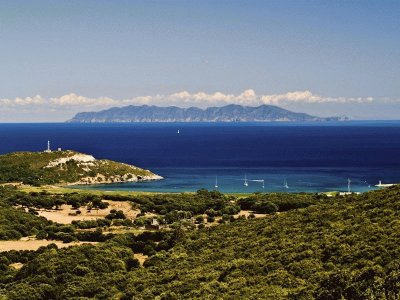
(53, 201)
(32, 168)
(278, 202)
(337, 248)
(162, 203)
(16, 223)
(169, 209)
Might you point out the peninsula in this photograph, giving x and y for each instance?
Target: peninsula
(68, 168)
(228, 113)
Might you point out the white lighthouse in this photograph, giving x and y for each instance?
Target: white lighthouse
(48, 150)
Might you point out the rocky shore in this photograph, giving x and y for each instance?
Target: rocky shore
(128, 177)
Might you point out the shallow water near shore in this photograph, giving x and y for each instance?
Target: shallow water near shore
(311, 157)
(232, 181)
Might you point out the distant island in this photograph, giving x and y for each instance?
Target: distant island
(67, 167)
(228, 113)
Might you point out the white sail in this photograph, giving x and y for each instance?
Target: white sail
(258, 180)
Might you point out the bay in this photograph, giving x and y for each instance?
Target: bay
(310, 157)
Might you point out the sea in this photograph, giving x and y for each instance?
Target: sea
(270, 157)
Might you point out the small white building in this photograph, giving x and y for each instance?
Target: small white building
(155, 225)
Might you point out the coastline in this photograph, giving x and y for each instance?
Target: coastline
(230, 181)
(114, 179)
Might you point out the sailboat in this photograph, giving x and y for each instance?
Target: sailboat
(245, 181)
(216, 182)
(259, 180)
(177, 131)
(380, 184)
(285, 185)
(348, 185)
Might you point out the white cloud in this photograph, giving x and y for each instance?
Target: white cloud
(249, 97)
(36, 100)
(69, 100)
(74, 99)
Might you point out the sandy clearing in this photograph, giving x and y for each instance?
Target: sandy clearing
(246, 213)
(16, 266)
(84, 159)
(16, 184)
(32, 244)
(62, 215)
(140, 257)
(122, 229)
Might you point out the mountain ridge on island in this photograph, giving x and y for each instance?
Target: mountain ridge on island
(228, 113)
(67, 168)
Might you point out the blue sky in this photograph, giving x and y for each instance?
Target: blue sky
(321, 57)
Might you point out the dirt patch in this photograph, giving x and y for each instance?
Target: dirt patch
(140, 257)
(16, 266)
(32, 244)
(246, 213)
(64, 215)
(122, 229)
(16, 184)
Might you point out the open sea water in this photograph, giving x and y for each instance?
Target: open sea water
(310, 157)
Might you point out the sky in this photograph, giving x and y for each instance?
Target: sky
(327, 58)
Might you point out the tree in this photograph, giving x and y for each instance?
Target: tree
(264, 207)
(199, 219)
(132, 263)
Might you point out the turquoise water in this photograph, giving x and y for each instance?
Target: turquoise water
(232, 180)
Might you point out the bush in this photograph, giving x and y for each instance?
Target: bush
(42, 235)
(226, 217)
(210, 219)
(116, 215)
(264, 207)
(199, 219)
(132, 263)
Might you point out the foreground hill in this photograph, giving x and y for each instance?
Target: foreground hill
(341, 248)
(66, 167)
(229, 113)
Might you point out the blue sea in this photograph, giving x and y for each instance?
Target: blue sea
(310, 157)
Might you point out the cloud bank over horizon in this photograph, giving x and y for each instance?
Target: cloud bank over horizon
(65, 106)
(184, 99)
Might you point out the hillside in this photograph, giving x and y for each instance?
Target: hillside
(66, 167)
(229, 113)
(341, 248)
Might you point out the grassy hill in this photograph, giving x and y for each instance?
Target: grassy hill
(66, 167)
(341, 248)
